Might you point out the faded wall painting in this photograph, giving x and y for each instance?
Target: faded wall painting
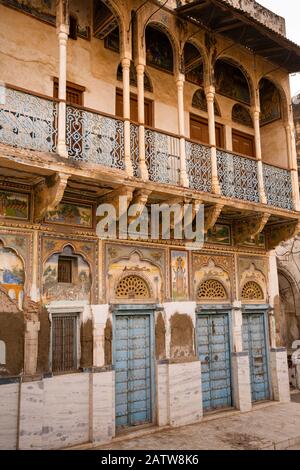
(12, 275)
(193, 65)
(231, 82)
(199, 102)
(71, 214)
(14, 205)
(270, 102)
(159, 52)
(133, 77)
(66, 276)
(134, 273)
(220, 233)
(259, 241)
(179, 275)
(241, 115)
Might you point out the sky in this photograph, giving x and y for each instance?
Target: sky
(290, 10)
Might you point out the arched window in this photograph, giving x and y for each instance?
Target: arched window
(241, 115)
(252, 291)
(132, 287)
(193, 64)
(211, 289)
(159, 51)
(199, 102)
(231, 82)
(270, 102)
(133, 77)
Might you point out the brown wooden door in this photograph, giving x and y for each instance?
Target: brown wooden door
(134, 108)
(199, 131)
(243, 143)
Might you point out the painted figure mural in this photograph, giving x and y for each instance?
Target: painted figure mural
(179, 275)
(12, 275)
(14, 205)
(231, 82)
(159, 51)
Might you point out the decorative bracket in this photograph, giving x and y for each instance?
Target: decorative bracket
(48, 194)
(140, 198)
(281, 232)
(113, 198)
(249, 227)
(211, 215)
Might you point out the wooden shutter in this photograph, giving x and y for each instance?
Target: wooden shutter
(64, 271)
(134, 108)
(243, 143)
(199, 131)
(74, 93)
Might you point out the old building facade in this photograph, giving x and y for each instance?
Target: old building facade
(158, 102)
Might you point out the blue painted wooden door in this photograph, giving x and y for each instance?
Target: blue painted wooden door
(254, 342)
(214, 354)
(132, 359)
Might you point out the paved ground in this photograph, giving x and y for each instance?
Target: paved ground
(268, 426)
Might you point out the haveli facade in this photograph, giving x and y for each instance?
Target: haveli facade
(161, 102)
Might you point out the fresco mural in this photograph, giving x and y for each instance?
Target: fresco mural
(71, 214)
(241, 115)
(270, 102)
(220, 233)
(193, 65)
(179, 275)
(46, 11)
(112, 40)
(14, 205)
(12, 275)
(133, 77)
(159, 52)
(199, 102)
(78, 289)
(259, 241)
(231, 82)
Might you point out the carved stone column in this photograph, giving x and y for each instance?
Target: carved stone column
(32, 329)
(210, 96)
(126, 113)
(180, 97)
(62, 29)
(261, 186)
(140, 68)
(240, 363)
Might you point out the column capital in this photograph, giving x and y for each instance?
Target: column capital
(210, 92)
(125, 62)
(180, 79)
(62, 30)
(140, 68)
(255, 110)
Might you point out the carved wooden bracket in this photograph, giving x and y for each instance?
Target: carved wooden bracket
(121, 206)
(48, 194)
(249, 227)
(211, 215)
(281, 232)
(140, 199)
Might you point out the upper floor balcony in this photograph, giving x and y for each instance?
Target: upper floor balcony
(30, 121)
(194, 113)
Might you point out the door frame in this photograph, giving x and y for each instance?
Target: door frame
(216, 309)
(136, 310)
(262, 309)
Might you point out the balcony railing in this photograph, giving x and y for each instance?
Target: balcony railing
(278, 186)
(238, 176)
(28, 121)
(95, 138)
(198, 163)
(134, 149)
(162, 157)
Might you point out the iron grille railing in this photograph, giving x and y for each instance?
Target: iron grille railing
(198, 166)
(94, 138)
(162, 157)
(64, 342)
(28, 121)
(134, 149)
(278, 186)
(238, 176)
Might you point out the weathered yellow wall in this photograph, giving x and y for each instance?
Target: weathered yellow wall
(274, 144)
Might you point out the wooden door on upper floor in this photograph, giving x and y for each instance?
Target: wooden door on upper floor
(199, 130)
(243, 143)
(148, 107)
